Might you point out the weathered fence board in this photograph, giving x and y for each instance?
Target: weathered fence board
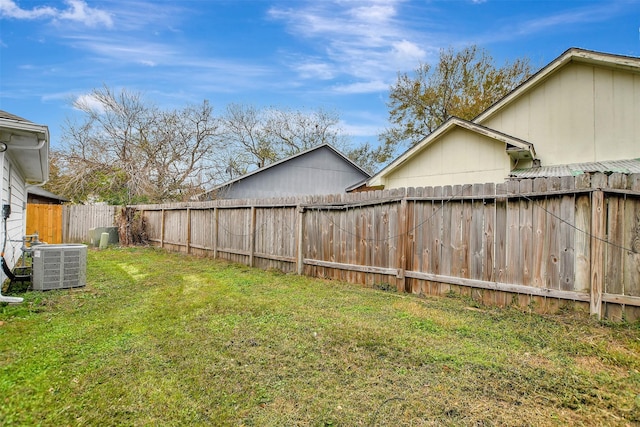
(540, 243)
(77, 220)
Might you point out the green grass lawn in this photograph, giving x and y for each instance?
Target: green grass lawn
(165, 339)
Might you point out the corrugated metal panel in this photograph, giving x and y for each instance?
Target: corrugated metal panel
(614, 166)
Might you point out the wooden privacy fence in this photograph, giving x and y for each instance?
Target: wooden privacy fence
(77, 220)
(68, 223)
(46, 220)
(542, 243)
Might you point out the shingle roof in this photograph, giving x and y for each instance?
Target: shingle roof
(9, 116)
(612, 166)
(272, 165)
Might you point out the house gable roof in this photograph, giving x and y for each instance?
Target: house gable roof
(575, 55)
(288, 159)
(515, 147)
(28, 144)
(512, 144)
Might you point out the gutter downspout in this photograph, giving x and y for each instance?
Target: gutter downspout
(28, 147)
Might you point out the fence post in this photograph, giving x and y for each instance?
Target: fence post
(215, 233)
(188, 231)
(162, 229)
(252, 236)
(598, 237)
(299, 241)
(402, 246)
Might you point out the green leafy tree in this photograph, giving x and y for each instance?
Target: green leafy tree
(370, 158)
(461, 84)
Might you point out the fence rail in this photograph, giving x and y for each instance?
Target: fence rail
(542, 243)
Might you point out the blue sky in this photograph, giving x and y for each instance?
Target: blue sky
(340, 55)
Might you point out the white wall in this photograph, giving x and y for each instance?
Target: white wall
(13, 190)
(583, 113)
(459, 157)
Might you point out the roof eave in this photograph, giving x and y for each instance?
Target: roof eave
(446, 127)
(14, 130)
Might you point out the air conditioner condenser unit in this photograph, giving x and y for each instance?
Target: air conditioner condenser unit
(59, 266)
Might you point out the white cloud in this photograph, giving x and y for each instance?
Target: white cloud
(366, 42)
(370, 129)
(362, 87)
(568, 20)
(374, 13)
(10, 9)
(77, 11)
(314, 70)
(148, 63)
(572, 17)
(406, 52)
(88, 102)
(124, 50)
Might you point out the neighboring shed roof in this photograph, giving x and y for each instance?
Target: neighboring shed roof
(607, 167)
(39, 191)
(295, 159)
(302, 153)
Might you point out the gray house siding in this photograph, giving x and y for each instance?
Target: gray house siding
(322, 170)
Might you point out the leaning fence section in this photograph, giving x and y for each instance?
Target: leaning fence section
(539, 243)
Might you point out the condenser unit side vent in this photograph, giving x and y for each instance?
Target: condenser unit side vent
(59, 266)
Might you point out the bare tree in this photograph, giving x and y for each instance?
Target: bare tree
(126, 150)
(295, 131)
(244, 133)
(259, 137)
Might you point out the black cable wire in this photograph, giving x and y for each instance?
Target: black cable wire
(415, 227)
(615, 245)
(450, 199)
(5, 267)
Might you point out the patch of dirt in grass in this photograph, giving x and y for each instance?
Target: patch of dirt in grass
(594, 365)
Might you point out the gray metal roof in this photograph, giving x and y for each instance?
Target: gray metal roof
(39, 191)
(613, 166)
